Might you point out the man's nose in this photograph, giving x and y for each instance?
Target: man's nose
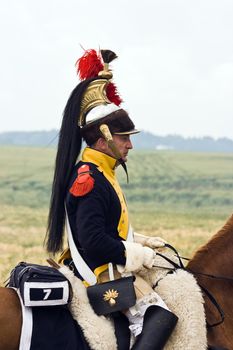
(129, 145)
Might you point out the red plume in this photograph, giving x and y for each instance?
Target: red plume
(89, 65)
(112, 94)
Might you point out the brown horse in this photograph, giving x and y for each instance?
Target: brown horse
(10, 319)
(214, 258)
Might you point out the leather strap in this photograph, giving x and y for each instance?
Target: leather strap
(80, 264)
(82, 267)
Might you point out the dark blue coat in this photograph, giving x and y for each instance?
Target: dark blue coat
(94, 219)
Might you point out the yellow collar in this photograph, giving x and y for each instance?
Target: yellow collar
(103, 161)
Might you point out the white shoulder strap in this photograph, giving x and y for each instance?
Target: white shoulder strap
(82, 267)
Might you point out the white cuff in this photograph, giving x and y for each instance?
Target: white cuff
(137, 257)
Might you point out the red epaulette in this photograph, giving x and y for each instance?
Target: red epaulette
(83, 183)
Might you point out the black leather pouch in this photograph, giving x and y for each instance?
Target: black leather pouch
(112, 296)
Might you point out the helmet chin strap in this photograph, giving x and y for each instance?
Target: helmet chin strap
(108, 137)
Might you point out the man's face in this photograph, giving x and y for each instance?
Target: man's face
(123, 144)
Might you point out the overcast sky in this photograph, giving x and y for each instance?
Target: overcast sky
(174, 71)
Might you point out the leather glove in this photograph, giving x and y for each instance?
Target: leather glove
(152, 242)
(137, 257)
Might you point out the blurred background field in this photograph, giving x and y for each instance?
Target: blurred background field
(183, 197)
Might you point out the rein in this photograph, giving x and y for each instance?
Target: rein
(201, 273)
(207, 293)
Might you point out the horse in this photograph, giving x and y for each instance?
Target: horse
(216, 259)
(10, 319)
(213, 259)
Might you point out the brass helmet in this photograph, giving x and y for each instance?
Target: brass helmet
(100, 112)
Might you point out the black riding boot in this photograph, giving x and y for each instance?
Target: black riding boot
(158, 325)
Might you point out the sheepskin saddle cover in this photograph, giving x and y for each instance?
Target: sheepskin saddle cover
(180, 292)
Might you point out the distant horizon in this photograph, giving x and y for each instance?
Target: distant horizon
(142, 130)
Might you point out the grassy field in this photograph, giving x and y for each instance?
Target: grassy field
(183, 197)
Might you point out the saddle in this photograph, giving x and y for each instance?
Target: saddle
(40, 285)
(44, 294)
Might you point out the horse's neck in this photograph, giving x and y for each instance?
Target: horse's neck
(217, 255)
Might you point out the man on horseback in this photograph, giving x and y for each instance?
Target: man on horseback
(89, 198)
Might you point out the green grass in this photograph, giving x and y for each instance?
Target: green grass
(196, 179)
(183, 197)
(162, 178)
(26, 175)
